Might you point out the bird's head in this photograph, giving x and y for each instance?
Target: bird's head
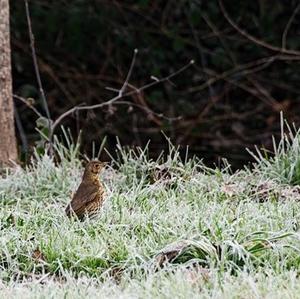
(94, 167)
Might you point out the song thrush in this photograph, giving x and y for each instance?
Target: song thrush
(89, 196)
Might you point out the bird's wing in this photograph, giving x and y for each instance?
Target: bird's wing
(84, 195)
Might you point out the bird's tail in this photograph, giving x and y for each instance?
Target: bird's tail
(68, 210)
(70, 213)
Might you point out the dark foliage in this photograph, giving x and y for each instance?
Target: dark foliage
(230, 100)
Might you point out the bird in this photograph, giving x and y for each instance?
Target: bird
(89, 196)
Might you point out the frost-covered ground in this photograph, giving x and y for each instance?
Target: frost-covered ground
(168, 229)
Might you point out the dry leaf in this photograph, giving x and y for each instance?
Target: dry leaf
(229, 189)
(169, 253)
(38, 256)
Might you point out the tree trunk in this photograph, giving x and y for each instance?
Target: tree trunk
(8, 146)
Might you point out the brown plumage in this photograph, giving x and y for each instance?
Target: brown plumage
(88, 198)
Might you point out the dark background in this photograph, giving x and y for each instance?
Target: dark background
(229, 100)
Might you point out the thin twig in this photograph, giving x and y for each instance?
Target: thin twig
(119, 96)
(129, 73)
(287, 27)
(252, 38)
(143, 105)
(149, 111)
(264, 92)
(38, 76)
(109, 103)
(21, 130)
(163, 79)
(243, 69)
(220, 37)
(201, 53)
(35, 63)
(26, 102)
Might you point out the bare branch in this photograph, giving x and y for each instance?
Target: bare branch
(129, 73)
(287, 27)
(243, 69)
(28, 104)
(163, 79)
(252, 38)
(149, 111)
(35, 63)
(119, 96)
(121, 91)
(112, 89)
(21, 131)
